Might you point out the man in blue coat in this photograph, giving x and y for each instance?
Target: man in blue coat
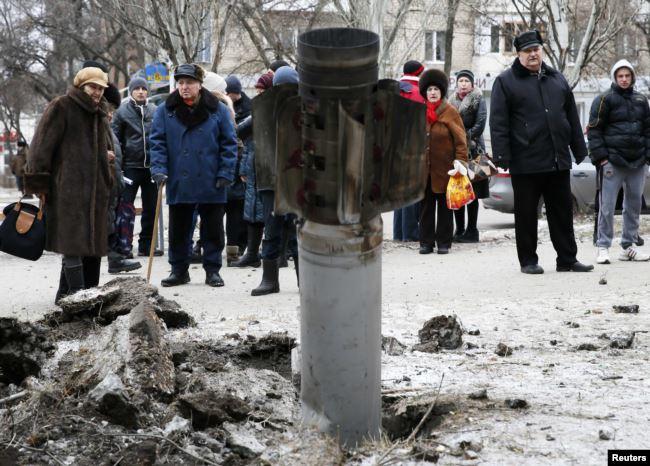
(193, 150)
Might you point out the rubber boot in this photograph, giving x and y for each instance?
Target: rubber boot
(270, 283)
(252, 256)
(232, 255)
(75, 277)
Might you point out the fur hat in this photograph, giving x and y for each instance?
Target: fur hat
(264, 82)
(90, 75)
(233, 85)
(436, 78)
(213, 82)
(413, 68)
(112, 95)
(138, 82)
(189, 70)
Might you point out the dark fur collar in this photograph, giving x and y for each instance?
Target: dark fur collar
(191, 117)
(521, 72)
(84, 101)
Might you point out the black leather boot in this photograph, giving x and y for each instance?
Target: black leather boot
(176, 279)
(62, 292)
(270, 283)
(120, 264)
(75, 277)
(252, 256)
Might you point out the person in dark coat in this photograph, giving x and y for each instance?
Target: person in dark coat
(193, 150)
(117, 261)
(446, 154)
(619, 144)
(253, 207)
(240, 100)
(533, 123)
(132, 125)
(275, 226)
(470, 104)
(405, 220)
(71, 162)
(17, 163)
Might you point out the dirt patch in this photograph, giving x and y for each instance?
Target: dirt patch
(440, 332)
(23, 349)
(100, 306)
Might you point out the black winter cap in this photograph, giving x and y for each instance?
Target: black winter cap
(94, 64)
(413, 67)
(112, 95)
(436, 78)
(465, 74)
(528, 39)
(278, 64)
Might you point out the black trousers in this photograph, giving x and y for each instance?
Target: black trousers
(142, 180)
(432, 232)
(556, 189)
(236, 231)
(180, 235)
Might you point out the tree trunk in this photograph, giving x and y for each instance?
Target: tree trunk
(452, 8)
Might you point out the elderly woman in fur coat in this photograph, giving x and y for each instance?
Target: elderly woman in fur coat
(71, 162)
(446, 152)
(470, 104)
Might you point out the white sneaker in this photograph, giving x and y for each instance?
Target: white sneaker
(603, 256)
(631, 254)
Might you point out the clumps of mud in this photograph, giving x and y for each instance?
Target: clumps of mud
(100, 306)
(125, 392)
(440, 332)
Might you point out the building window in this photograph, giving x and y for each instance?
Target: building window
(495, 35)
(434, 46)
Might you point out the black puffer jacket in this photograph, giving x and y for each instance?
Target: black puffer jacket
(131, 124)
(619, 128)
(534, 121)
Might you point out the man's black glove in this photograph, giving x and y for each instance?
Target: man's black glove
(159, 178)
(222, 183)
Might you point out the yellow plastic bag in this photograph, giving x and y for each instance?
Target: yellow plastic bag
(459, 191)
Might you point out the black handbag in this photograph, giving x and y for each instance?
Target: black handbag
(22, 233)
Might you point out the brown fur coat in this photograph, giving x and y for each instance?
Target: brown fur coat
(67, 162)
(446, 142)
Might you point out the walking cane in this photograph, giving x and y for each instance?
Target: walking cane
(154, 235)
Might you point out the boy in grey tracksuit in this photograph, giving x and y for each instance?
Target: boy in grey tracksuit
(619, 143)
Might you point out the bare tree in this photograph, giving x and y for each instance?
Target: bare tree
(452, 9)
(605, 20)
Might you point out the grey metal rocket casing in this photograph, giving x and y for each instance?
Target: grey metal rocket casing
(349, 147)
(340, 149)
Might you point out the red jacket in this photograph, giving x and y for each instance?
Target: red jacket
(408, 88)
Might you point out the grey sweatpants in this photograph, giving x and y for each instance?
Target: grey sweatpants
(611, 179)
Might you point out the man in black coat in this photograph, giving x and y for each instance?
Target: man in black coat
(131, 124)
(619, 144)
(533, 122)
